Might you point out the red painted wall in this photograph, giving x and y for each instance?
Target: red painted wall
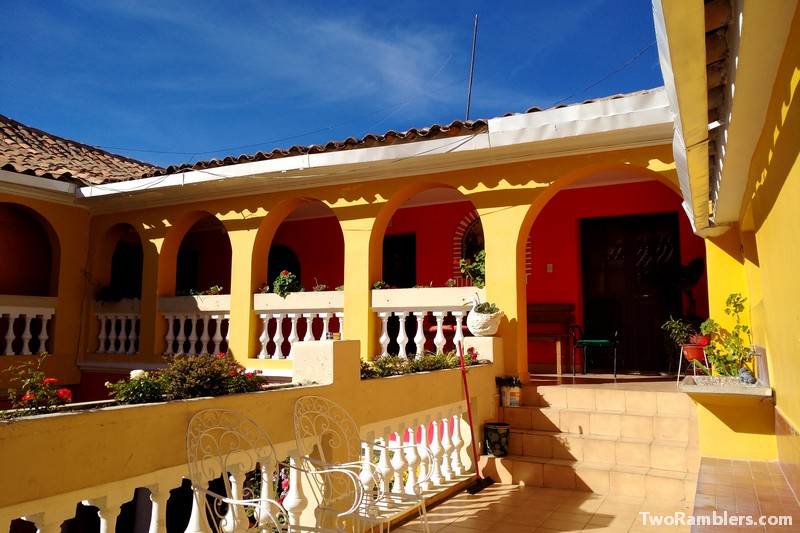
(319, 245)
(555, 240)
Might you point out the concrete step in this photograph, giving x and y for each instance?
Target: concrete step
(581, 421)
(608, 397)
(600, 478)
(661, 454)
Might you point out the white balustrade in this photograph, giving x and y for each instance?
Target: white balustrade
(205, 333)
(400, 466)
(438, 315)
(300, 317)
(20, 318)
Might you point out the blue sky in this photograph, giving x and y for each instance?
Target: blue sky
(172, 82)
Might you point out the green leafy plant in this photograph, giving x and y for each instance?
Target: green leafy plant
(681, 331)
(188, 376)
(263, 288)
(450, 282)
(728, 351)
(339, 287)
(380, 284)
(214, 289)
(392, 365)
(285, 284)
(508, 381)
(474, 268)
(486, 308)
(319, 287)
(38, 393)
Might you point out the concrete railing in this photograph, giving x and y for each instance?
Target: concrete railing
(23, 323)
(99, 460)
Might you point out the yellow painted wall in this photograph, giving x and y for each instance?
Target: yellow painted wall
(774, 194)
(737, 430)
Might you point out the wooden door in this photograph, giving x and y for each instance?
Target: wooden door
(625, 264)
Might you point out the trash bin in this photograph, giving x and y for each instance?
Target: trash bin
(495, 438)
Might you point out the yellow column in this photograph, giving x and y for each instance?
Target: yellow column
(243, 332)
(152, 327)
(505, 280)
(360, 266)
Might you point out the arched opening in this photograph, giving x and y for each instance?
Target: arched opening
(611, 246)
(204, 259)
(34, 270)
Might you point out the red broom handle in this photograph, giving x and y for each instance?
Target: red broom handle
(460, 351)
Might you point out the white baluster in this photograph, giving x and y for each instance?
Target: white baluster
(227, 320)
(293, 337)
(438, 452)
(158, 512)
(181, 338)
(264, 338)
(384, 465)
(399, 463)
(384, 339)
(439, 339)
(170, 338)
(413, 460)
(197, 519)
(278, 338)
(192, 335)
(26, 336)
(458, 444)
(447, 449)
(309, 336)
(326, 321)
(133, 336)
(43, 333)
(205, 337)
(217, 333)
(340, 316)
(295, 501)
(419, 338)
(123, 335)
(422, 447)
(102, 336)
(107, 512)
(459, 335)
(236, 518)
(402, 337)
(9, 337)
(112, 334)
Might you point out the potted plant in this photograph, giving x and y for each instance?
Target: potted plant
(285, 284)
(510, 390)
(484, 317)
(688, 337)
(474, 269)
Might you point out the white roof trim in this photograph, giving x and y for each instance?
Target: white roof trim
(645, 116)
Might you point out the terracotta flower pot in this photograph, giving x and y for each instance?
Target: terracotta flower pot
(693, 352)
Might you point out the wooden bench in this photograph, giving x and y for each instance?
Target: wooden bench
(551, 322)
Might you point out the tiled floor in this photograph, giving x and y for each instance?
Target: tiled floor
(744, 488)
(520, 509)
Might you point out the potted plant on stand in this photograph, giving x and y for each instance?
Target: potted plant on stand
(510, 390)
(688, 338)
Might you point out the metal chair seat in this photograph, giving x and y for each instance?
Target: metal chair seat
(585, 344)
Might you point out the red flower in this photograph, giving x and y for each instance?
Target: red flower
(65, 395)
(233, 372)
(455, 261)
(221, 354)
(285, 273)
(28, 397)
(50, 381)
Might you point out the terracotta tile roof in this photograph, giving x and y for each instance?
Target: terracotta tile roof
(30, 151)
(437, 131)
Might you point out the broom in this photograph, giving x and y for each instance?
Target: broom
(480, 483)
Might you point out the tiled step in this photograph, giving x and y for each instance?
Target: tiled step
(607, 439)
(661, 454)
(600, 478)
(602, 423)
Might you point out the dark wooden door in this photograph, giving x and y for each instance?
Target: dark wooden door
(626, 263)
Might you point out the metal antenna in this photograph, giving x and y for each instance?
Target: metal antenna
(472, 66)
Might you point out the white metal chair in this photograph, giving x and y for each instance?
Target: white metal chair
(328, 438)
(235, 473)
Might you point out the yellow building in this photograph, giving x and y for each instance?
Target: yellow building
(105, 253)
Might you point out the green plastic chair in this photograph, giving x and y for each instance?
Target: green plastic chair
(584, 344)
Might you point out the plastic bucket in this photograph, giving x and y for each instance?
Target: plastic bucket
(510, 396)
(495, 438)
